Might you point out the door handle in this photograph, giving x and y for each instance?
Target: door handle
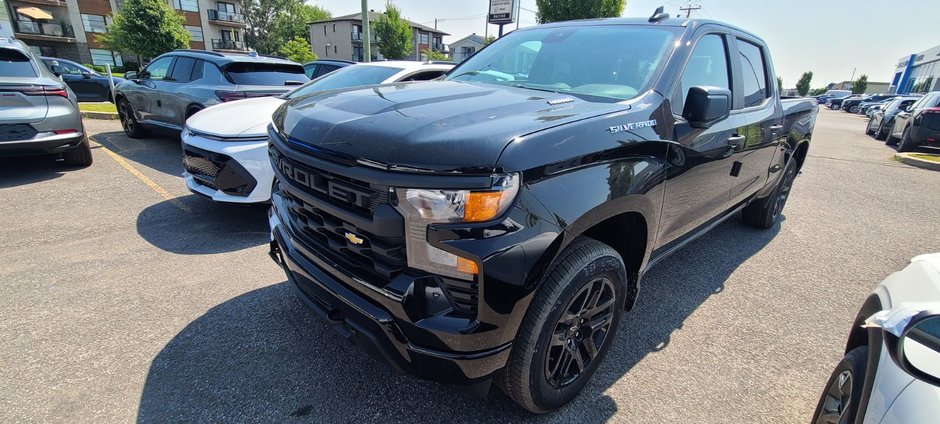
(736, 140)
(776, 127)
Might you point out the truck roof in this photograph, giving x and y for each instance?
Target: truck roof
(691, 24)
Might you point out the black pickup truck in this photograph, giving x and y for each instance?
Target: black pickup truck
(494, 226)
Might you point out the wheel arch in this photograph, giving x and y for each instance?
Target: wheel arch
(192, 108)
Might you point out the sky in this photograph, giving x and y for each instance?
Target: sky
(832, 38)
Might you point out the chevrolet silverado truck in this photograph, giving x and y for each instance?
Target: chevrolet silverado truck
(493, 226)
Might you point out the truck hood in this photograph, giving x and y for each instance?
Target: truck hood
(441, 126)
(241, 118)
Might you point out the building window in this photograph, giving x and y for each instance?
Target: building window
(196, 32)
(334, 27)
(186, 5)
(324, 29)
(102, 57)
(225, 7)
(424, 38)
(334, 49)
(96, 23)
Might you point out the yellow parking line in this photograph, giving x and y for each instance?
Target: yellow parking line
(150, 183)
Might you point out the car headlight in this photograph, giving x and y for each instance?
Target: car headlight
(421, 207)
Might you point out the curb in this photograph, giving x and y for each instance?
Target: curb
(100, 115)
(907, 159)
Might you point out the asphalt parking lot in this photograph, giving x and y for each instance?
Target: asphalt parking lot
(123, 297)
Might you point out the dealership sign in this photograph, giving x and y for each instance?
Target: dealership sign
(502, 11)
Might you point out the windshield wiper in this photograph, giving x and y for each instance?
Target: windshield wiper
(535, 88)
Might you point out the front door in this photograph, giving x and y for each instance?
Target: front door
(145, 97)
(700, 161)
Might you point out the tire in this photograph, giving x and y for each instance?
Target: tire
(132, 128)
(835, 406)
(868, 129)
(890, 140)
(192, 111)
(880, 133)
(763, 213)
(540, 374)
(853, 109)
(906, 145)
(79, 156)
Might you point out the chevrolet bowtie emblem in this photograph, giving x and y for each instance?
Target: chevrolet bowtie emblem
(354, 239)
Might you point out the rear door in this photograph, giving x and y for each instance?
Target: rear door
(86, 89)
(18, 78)
(760, 112)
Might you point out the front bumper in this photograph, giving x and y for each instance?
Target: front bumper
(386, 335)
(227, 171)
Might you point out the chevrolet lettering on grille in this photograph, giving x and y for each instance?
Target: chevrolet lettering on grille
(318, 182)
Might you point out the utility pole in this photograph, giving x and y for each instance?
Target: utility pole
(853, 74)
(688, 9)
(367, 42)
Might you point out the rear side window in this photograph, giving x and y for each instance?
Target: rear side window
(183, 70)
(15, 64)
(707, 66)
(424, 76)
(265, 73)
(350, 76)
(753, 73)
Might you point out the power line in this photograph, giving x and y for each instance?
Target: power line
(688, 9)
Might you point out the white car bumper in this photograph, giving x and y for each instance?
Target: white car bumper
(227, 171)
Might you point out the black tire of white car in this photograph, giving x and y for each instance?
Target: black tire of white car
(906, 145)
(763, 213)
(558, 333)
(868, 129)
(79, 156)
(880, 132)
(835, 406)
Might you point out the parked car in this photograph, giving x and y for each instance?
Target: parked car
(822, 99)
(835, 103)
(87, 84)
(225, 147)
(853, 105)
(321, 67)
(881, 121)
(891, 374)
(497, 222)
(865, 106)
(870, 110)
(38, 112)
(176, 85)
(918, 125)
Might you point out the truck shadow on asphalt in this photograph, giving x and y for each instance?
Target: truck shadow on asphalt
(161, 152)
(192, 225)
(262, 356)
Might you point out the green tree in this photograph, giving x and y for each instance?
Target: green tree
(489, 39)
(298, 49)
(817, 91)
(780, 84)
(294, 21)
(273, 23)
(802, 86)
(860, 85)
(394, 33)
(434, 55)
(147, 28)
(566, 10)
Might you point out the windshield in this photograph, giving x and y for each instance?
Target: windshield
(350, 76)
(247, 73)
(614, 62)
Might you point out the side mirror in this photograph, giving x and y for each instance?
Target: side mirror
(706, 105)
(917, 349)
(131, 75)
(86, 74)
(58, 70)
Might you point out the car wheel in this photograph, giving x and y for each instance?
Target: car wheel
(763, 213)
(79, 156)
(839, 401)
(868, 129)
(853, 109)
(129, 122)
(890, 139)
(906, 145)
(880, 133)
(568, 328)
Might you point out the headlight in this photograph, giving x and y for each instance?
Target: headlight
(421, 207)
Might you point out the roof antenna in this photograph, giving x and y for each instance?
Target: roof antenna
(658, 15)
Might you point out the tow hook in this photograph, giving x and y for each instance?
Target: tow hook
(276, 254)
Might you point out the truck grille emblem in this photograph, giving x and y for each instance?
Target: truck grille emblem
(354, 239)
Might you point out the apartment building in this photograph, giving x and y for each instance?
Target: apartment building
(69, 29)
(342, 38)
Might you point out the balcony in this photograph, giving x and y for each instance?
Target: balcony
(44, 31)
(235, 46)
(55, 3)
(219, 17)
(357, 37)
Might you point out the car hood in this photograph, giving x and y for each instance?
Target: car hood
(441, 125)
(241, 118)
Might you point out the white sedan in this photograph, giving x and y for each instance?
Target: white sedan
(225, 147)
(891, 369)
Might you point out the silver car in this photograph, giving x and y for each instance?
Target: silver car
(38, 112)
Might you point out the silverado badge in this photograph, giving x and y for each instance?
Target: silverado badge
(354, 239)
(631, 126)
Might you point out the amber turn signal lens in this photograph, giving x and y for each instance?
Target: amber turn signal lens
(468, 266)
(482, 206)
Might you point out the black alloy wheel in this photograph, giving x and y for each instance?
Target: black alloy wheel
(132, 128)
(784, 193)
(841, 398)
(580, 333)
(837, 399)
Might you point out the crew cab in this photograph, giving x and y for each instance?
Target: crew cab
(493, 226)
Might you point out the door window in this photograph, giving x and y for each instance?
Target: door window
(159, 68)
(183, 70)
(311, 71)
(325, 69)
(707, 66)
(753, 73)
(424, 76)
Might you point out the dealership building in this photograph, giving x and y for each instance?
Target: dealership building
(917, 73)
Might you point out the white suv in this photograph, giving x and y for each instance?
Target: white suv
(891, 369)
(225, 147)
